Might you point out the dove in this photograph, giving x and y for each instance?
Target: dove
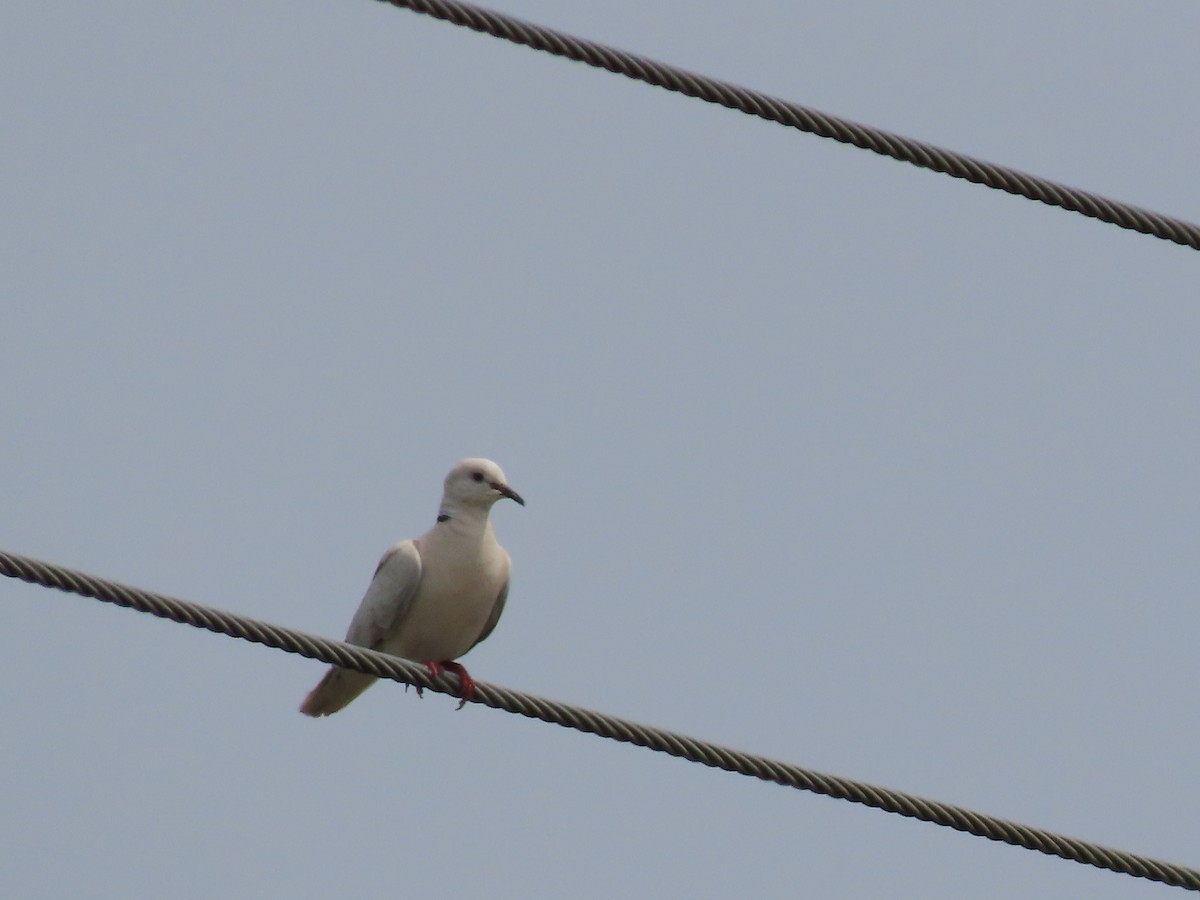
(433, 598)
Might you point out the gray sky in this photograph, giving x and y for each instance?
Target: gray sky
(826, 457)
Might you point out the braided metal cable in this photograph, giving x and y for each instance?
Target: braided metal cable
(804, 118)
(384, 666)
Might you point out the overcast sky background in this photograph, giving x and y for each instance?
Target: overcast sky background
(826, 457)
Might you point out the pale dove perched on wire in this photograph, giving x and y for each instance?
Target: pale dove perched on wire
(434, 598)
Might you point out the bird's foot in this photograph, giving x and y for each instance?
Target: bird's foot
(436, 669)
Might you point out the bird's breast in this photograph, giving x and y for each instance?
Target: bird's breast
(459, 587)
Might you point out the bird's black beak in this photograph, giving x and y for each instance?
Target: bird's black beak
(506, 491)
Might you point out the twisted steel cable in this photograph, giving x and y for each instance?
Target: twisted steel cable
(804, 118)
(406, 672)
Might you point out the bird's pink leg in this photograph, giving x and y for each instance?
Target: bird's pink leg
(435, 669)
(464, 677)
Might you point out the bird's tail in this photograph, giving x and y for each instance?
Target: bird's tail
(335, 691)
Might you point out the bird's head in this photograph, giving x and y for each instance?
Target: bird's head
(479, 483)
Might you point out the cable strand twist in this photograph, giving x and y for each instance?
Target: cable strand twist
(793, 115)
(394, 668)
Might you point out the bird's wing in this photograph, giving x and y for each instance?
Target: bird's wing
(389, 596)
(494, 616)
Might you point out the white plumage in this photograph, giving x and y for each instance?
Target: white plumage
(434, 598)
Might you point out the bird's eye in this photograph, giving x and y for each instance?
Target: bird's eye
(477, 476)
